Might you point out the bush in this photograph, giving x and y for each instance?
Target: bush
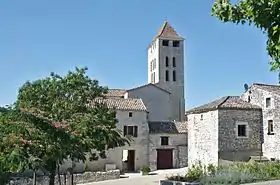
(195, 173)
(239, 173)
(146, 170)
(228, 177)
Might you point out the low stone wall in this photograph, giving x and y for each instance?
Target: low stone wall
(78, 178)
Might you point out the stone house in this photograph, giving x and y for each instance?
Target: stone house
(268, 98)
(227, 129)
(132, 120)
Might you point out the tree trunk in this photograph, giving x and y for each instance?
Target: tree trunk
(52, 178)
(58, 173)
(52, 173)
(34, 177)
(65, 179)
(72, 179)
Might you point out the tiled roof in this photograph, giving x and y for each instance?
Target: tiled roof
(227, 102)
(149, 84)
(167, 31)
(115, 93)
(123, 104)
(267, 87)
(170, 127)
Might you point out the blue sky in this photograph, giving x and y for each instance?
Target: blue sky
(111, 37)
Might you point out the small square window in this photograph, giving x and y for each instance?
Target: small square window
(268, 102)
(241, 130)
(130, 114)
(176, 43)
(165, 42)
(164, 140)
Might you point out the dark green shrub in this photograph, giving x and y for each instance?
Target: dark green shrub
(146, 170)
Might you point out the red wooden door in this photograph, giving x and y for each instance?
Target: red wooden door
(164, 159)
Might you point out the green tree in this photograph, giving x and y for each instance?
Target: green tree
(21, 144)
(264, 14)
(69, 104)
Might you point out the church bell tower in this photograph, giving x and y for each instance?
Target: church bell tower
(166, 67)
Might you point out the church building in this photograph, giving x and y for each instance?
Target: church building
(152, 114)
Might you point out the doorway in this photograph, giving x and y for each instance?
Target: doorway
(164, 159)
(129, 160)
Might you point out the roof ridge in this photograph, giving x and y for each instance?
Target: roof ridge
(134, 88)
(225, 99)
(262, 84)
(143, 103)
(163, 27)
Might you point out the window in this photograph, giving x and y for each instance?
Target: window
(176, 43)
(249, 98)
(241, 130)
(164, 140)
(201, 117)
(130, 131)
(165, 42)
(268, 102)
(166, 61)
(270, 127)
(152, 77)
(151, 66)
(130, 114)
(167, 75)
(174, 62)
(174, 75)
(154, 66)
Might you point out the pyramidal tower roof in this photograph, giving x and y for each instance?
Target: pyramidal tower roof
(167, 31)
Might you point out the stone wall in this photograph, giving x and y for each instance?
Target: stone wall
(183, 156)
(232, 147)
(203, 138)
(78, 178)
(271, 144)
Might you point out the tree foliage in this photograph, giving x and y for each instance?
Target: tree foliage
(264, 14)
(58, 118)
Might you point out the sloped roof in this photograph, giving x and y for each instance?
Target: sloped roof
(169, 127)
(149, 84)
(115, 92)
(167, 31)
(123, 104)
(267, 87)
(227, 102)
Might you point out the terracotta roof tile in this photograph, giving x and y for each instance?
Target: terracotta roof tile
(123, 104)
(115, 93)
(227, 102)
(267, 87)
(167, 31)
(171, 127)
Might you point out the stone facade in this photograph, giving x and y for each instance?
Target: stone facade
(232, 147)
(78, 178)
(203, 138)
(257, 95)
(177, 142)
(115, 156)
(213, 131)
